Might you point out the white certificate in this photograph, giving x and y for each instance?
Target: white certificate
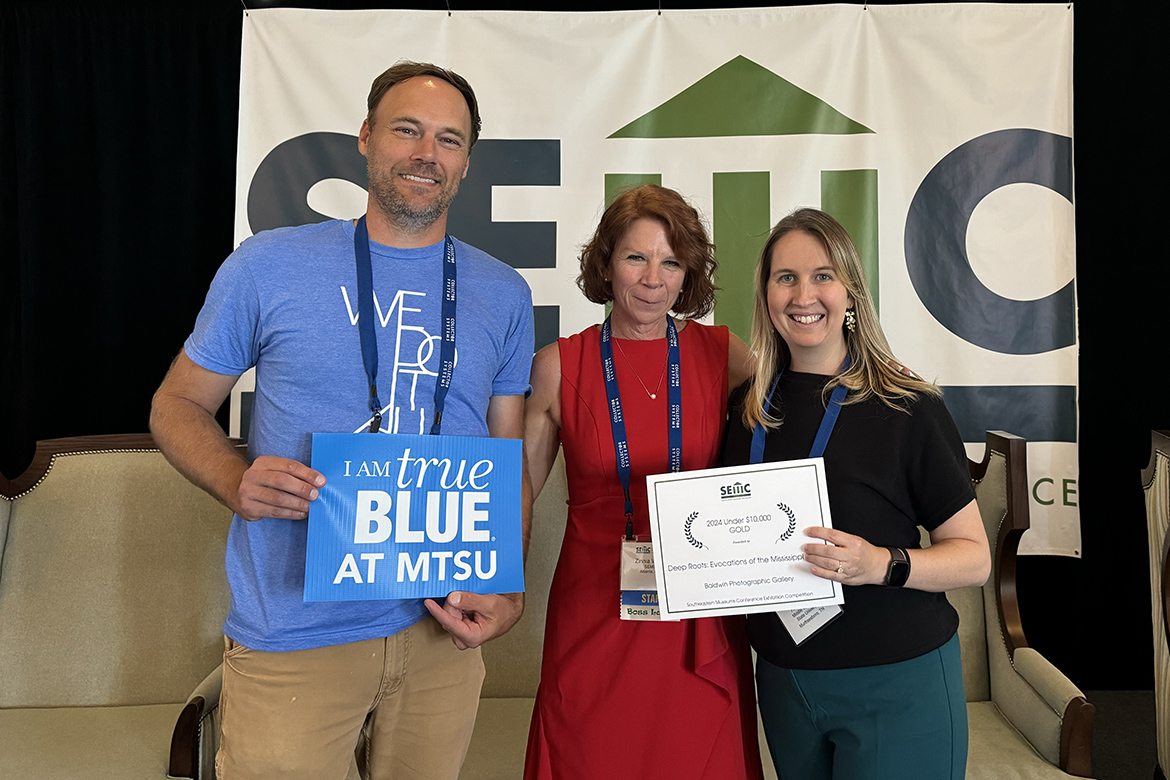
(727, 541)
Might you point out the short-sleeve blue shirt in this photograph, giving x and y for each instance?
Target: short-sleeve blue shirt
(285, 303)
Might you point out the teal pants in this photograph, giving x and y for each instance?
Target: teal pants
(901, 721)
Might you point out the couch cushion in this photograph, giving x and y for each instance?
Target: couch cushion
(1002, 753)
(500, 740)
(968, 602)
(115, 562)
(95, 743)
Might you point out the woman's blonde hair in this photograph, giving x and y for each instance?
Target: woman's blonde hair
(870, 371)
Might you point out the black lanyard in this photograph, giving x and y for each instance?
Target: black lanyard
(365, 286)
(617, 422)
(836, 398)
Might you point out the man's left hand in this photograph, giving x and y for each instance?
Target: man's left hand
(472, 618)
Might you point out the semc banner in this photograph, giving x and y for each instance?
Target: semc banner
(409, 516)
(940, 135)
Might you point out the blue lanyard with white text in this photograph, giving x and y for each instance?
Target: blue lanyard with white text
(836, 398)
(621, 445)
(365, 286)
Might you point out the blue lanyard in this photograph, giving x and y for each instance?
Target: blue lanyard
(621, 445)
(836, 398)
(365, 285)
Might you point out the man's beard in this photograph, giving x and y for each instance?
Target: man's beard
(398, 208)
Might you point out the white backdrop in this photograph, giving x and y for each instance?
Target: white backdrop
(939, 134)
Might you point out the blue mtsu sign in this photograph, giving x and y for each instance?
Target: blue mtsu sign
(414, 517)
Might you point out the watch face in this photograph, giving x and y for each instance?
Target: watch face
(899, 573)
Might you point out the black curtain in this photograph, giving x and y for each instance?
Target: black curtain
(117, 158)
(117, 177)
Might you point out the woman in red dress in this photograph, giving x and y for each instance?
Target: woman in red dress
(622, 698)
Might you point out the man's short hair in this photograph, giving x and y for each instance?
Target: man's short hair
(407, 69)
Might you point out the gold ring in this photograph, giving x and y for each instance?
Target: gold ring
(840, 568)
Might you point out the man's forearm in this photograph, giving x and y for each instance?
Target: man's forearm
(197, 447)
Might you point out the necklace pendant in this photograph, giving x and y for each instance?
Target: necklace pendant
(654, 396)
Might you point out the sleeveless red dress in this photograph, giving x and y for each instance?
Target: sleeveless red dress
(625, 699)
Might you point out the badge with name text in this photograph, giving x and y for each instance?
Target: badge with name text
(640, 605)
(803, 623)
(727, 540)
(408, 516)
(637, 569)
(639, 599)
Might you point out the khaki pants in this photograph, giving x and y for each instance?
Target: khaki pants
(413, 696)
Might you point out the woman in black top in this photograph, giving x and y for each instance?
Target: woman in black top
(877, 692)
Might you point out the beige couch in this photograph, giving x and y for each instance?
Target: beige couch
(1027, 720)
(112, 598)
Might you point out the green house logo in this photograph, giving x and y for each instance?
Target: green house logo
(743, 98)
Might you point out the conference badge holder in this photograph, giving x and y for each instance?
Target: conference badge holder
(804, 623)
(639, 600)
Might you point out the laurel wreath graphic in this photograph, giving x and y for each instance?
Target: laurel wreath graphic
(687, 531)
(791, 523)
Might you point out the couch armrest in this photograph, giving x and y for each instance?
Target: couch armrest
(1049, 711)
(1033, 695)
(196, 735)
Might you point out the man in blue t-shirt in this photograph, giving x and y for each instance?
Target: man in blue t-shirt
(303, 681)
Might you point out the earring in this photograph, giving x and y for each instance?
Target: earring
(850, 320)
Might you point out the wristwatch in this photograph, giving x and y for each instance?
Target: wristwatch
(899, 570)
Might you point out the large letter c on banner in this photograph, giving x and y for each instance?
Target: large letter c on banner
(936, 242)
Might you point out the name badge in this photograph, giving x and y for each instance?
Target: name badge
(803, 623)
(638, 563)
(640, 605)
(639, 599)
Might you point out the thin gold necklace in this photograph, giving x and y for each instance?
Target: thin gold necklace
(657, 387)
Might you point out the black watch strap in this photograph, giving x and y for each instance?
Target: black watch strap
(899, 570)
